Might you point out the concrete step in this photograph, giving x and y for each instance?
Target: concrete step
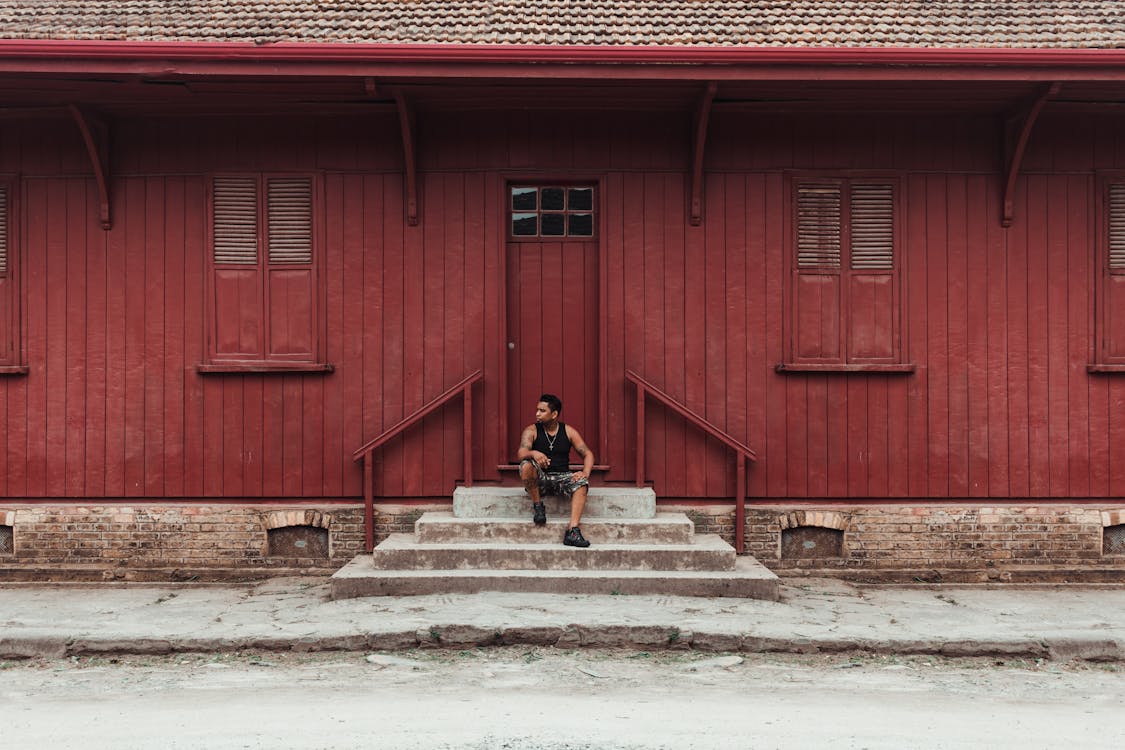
(513, 502)
(444, 527)
(748, 579)
(703, 552)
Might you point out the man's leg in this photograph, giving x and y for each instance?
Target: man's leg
(529, 473)
(530, 476)
(573, 536)
(577, 504)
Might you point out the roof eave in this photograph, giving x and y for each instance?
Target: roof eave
(556, 61)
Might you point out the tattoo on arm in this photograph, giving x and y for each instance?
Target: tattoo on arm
(527, 439)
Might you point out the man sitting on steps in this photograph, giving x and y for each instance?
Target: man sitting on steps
(544, 457)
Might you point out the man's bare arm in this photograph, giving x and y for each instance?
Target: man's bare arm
(583, 450)
(527, 439)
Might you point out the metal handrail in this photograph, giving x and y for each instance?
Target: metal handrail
(365, 452)
(742, 452)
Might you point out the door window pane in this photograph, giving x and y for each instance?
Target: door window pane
(554, 225)
(580, 199)
(525, 225)
(581, 225)
(524, 199)
(552, 199)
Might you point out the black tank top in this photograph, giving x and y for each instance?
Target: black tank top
(559, 453)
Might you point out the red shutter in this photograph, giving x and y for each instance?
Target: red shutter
(237, 317)
(817, 281)
(8, 320)
(871, 274)
(290, 287)
(3, 231)
(1113, 307)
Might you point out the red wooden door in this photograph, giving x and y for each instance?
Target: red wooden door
(552, 273)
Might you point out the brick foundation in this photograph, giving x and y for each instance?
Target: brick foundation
(179, 541)
(1026, 541)
(209, 541)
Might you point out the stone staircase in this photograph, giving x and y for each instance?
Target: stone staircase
(488, 543)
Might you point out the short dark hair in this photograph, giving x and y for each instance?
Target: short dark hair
(552, 401)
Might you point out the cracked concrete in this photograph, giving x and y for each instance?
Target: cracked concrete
(826, 616)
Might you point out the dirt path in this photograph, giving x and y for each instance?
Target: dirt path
(553, 700)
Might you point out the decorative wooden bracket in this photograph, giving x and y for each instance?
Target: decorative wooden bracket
(1017, 131)
(699, 143)
(406, 124)
(95, 134)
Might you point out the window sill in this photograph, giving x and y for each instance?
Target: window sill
(1105, 369)
(263, 368)
(14, 369)
(905, 368)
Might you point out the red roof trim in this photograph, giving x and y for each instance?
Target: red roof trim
(292, 58)
(530, 53)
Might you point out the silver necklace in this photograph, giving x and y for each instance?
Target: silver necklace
(550, 440)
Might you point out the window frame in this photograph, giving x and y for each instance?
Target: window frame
(13, 362)
(215, 362)
(539, 185)
(897, 362)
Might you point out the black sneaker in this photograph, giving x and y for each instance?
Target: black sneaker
(539, 514)
(574, 538)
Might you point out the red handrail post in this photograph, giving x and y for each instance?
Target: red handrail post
(368, 501)
(640, 436)
(468, 397)
(740, 504)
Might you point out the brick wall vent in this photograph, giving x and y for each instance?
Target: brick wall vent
(811, 543)
(7, 540)
(298, 541)
(1113, 540)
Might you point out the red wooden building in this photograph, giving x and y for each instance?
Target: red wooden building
(880, 247)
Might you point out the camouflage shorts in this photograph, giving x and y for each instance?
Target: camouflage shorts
(558, 483)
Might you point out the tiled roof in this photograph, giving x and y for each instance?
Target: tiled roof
(827, 23)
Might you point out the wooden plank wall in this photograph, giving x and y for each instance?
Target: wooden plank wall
(998, 322)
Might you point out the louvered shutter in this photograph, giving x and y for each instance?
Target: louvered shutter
(872, 227)
(818, 226)
(3, 230)
(238, 319)
(290, 279)
(1117, 227)
(870, 290)
(1110, 323)
(817, 283)
(9, 328)
(236, 220)
(289, 214)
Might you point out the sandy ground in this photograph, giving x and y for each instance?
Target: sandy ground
(551, 699)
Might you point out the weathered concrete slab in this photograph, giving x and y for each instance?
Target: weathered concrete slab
(444, 527)
(513, 502)
(748, 579)
(703, 552)
(811, 616)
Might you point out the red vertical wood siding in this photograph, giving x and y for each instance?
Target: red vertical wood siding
(999, 323)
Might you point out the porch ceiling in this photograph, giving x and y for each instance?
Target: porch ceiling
(122, 94)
